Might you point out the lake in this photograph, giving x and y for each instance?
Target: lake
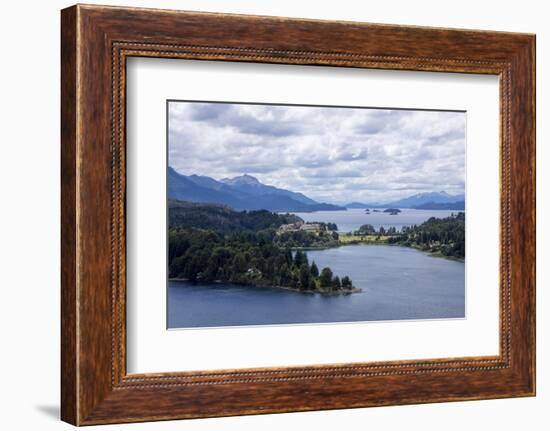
(398, 283)
(352, 219)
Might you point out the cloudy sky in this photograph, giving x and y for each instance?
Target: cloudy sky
(334, 155)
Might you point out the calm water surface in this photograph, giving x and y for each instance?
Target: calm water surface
(352, 219)
(397, 282)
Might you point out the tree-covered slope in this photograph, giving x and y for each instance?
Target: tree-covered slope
(222, 219)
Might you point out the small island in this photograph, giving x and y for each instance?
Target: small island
(392, 211)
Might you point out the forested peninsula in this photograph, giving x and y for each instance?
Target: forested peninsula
(210, 242)
(443, 237)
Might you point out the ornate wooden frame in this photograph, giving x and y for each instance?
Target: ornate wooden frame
(95, 42)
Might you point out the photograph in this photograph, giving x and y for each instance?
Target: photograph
(302, 214)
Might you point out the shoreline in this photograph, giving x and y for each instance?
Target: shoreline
(382, 242)
(437, 254)
(292, 289)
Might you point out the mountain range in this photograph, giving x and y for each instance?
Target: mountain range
(246, 192)
(429, 200)
(243, 192)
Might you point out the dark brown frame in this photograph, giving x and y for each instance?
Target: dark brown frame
(95, 42)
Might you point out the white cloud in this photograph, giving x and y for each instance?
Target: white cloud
(330, 154)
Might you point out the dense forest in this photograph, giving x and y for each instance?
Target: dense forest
(368, 229)
(223, 219)
(214, 243)
(445, 236)
(441, 236)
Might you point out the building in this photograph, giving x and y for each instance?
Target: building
(311, 227)
(294, 227)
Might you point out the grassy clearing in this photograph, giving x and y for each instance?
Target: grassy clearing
(362, 239)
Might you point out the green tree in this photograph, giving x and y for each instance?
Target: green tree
(220, 255)
(346, 282)
(305, 276)
(177, 266)
(211, 270)
(265, 236)
(366, 229)
(336, 283)
(239, 265)
(325, 278)
(270, 267)
(314, 270)
(285, 275)
(193, 268)
(300, 258)
(295, 282)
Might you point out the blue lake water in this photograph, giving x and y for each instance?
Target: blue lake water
(398, 283)
(352, 219)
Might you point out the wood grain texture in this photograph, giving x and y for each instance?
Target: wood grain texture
(69, 397)
(96, 41)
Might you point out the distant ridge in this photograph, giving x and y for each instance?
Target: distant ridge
(357, 205)
(459, 206)
(429, 200)
(251, 185)
(244, 192)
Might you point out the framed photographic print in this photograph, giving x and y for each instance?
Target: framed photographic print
(267, 215)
